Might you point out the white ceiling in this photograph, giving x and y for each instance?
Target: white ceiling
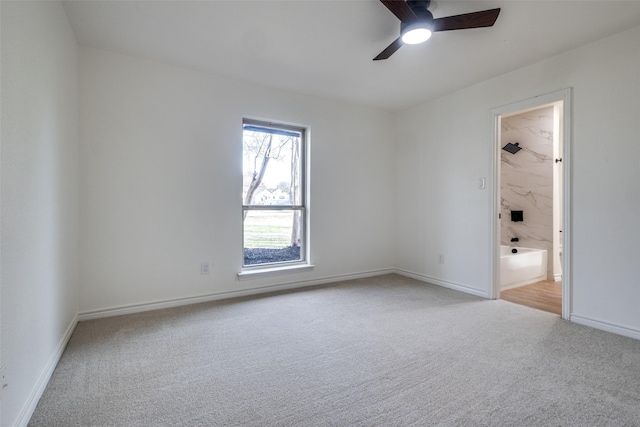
(325, 47)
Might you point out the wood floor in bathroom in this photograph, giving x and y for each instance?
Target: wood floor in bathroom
(546, 295)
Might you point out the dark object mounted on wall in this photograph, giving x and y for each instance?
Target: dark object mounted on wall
(517, 216)
(512, 148)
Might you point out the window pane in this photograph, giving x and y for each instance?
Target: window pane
(271, 167)
(272, 236)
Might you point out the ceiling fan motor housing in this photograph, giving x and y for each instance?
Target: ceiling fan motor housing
(418, 4)
(419, 8)
(424, 18)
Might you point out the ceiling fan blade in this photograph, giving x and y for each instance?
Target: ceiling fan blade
(484, 18)
(390, 50)
(401, 9)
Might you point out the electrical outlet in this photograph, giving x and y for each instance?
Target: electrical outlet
(441, 258)
(204, 268)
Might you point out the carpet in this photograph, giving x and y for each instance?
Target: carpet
(381, 351)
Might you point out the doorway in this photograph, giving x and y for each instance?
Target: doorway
(530, 210)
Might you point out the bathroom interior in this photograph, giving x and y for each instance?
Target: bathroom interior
(531, 207)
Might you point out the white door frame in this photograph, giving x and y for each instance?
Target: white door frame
(564, 96)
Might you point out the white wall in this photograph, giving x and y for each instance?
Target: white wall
(40, 198)
(444, 146)
(161, 182)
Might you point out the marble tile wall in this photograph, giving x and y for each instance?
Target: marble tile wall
(527, 181)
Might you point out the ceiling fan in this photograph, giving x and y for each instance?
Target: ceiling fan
(417, 23)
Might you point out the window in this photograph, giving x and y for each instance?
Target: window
(274, 214)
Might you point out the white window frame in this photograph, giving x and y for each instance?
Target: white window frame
(303, 264)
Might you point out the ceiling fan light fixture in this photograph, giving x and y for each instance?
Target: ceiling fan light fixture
(415, 32)
(416, 36)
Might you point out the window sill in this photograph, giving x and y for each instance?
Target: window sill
(273, 271)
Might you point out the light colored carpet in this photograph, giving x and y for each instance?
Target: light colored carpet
(384, 351)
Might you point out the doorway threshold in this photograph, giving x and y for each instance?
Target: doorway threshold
(545, 295)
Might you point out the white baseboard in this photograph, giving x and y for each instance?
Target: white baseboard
(606, 326)
(176, 302)
(443, 283)
(30, 405)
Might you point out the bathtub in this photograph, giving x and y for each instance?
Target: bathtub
(522, 268)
